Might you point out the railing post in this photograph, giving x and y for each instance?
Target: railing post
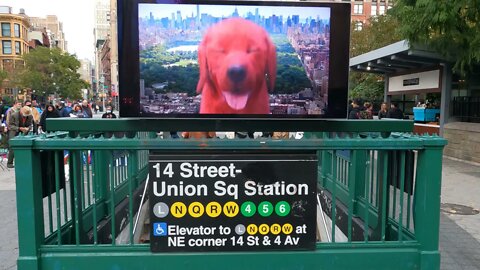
(133, 167)
(77, 196)
(427, 205)
(31, 232)
(101, 170)
(356, 181)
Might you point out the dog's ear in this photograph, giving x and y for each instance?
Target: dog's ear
(202, 65)
(271, 65)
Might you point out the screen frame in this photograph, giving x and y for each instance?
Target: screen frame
(129, 61)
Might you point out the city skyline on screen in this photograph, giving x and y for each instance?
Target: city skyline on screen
(169, 35)
(159, 10)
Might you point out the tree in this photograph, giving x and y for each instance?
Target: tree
(452, 28)
(370, 87)
(53, 72)
(378, 32)
(3, 76)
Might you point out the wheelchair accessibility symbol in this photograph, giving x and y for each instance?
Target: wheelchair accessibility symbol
(160, 229)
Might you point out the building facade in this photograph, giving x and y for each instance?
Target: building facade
(38, 37)
(105, 62)
(85, 70)
(54, 29)
(13, 44)
(101, 33)
(362, 10)
(113, 50)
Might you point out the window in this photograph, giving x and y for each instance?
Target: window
(6, 31)
(16, 28)
(18, 50)
(374, 10)
(358, 26)
(7, 64)
(358, 9)
(7, 47)
(381, 11)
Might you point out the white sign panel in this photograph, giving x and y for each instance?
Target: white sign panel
(415, 81)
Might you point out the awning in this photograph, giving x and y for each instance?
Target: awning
(396, 58)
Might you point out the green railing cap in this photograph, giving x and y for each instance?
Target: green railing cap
(237, 124)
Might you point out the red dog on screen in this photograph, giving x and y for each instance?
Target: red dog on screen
(238, 66)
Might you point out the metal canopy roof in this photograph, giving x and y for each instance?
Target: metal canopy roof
(395, 58)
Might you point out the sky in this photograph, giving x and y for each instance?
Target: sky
(187, 10)
(77, 18)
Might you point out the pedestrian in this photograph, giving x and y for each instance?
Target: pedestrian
(109, 113)
(3, 111)
(50, 112)
(367, 113)
(355, 109)
(19, 122)
(78, 112)
(62, 110)
(383, 111)
(86, 109)
(395, 112)
(15, 108)
(35, 114)
(37, 106)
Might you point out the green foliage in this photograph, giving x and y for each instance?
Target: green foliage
(451, 28)
(3, 76)
(282, 44)
(370, 87)
(291, 79)
(380, 31)
(7, 100)
(159, 54)
(178, 69)
(52, 71)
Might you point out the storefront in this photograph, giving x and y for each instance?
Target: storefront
(419, 96)
(423, 85)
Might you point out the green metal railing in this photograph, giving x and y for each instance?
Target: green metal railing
(381, 193)
(376, 186)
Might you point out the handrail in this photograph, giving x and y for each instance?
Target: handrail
(396, 141)
(222, 124)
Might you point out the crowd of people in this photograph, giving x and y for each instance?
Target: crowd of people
(30, 117)
(364, 110)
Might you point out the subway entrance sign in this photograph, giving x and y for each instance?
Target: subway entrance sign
(232, 201)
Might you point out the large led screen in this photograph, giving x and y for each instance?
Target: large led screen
(254, 59)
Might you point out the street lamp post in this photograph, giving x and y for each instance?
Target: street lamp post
(102, 81)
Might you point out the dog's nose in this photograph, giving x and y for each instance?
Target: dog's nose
(237, 73)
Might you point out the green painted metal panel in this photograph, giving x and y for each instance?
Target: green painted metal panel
(29, 206)
(222, 124)
(349, 257)
(404, 142)
(386, 254)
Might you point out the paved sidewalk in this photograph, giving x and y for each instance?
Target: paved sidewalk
(8, 222)
(459, 235)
